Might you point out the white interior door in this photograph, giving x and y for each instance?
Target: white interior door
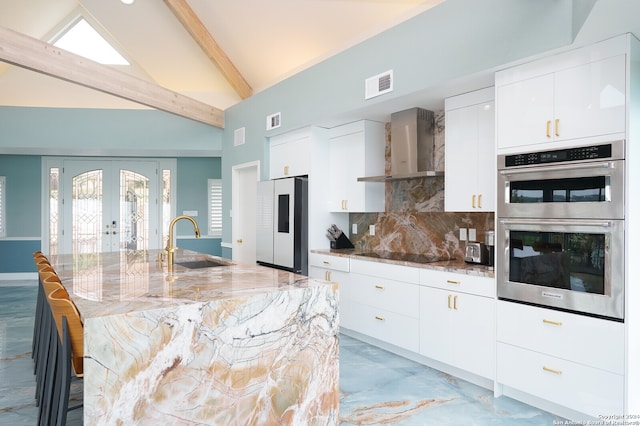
(109, 205)
(244, 187)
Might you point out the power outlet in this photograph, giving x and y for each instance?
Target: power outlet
(472, 234)
(372, 230)
(354, 229)
(463, 234)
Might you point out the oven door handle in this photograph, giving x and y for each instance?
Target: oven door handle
(559, 168)
(598, 223)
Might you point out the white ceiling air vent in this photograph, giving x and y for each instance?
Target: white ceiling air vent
(238, 137)
(378, 85)
(273, 121)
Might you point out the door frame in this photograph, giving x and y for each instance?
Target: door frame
(236, 226)
(58, 162)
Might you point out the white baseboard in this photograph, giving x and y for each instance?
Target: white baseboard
(14, 276)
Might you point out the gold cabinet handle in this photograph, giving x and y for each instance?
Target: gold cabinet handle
(328, 275)
(379, 287)
(449, 301)
(239, 240)
(548, 128)
(557, 127)
(551, 370)
(379, 318)
(556, 323)
(326, 262)
(455, 302)
(453, 282)
(286, 170)
(473, 201)
(480, 201)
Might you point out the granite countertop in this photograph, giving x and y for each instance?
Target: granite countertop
(119, 282)
(458, 266)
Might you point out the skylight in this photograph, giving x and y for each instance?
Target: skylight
(82, 39)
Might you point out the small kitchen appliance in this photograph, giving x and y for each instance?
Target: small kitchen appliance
(489, 242)
(475, 252)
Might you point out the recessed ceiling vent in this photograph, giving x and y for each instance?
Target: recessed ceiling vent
(378, 85)
(273, 121)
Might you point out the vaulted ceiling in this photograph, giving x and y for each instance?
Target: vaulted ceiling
(170, 43)
(214, 52)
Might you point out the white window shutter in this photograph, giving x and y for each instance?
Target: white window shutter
(215, 207)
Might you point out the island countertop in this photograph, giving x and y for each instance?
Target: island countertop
(234, 344)
(113, 283)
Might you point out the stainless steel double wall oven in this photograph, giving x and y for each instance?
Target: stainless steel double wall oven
(560, 232)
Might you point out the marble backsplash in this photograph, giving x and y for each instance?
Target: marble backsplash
(414, 220)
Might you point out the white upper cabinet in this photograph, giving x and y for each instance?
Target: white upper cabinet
(290, 154)
(470, 152)
(575, 95)
(356, 150)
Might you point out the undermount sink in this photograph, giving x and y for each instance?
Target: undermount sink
(205, 263)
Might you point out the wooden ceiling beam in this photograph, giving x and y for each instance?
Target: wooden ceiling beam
(27, 52)
(201, 35)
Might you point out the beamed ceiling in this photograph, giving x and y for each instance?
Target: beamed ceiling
(195, 58)
(190, 57)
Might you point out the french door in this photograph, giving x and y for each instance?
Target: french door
(109, 205)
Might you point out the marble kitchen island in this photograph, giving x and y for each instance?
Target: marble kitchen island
(233, 344)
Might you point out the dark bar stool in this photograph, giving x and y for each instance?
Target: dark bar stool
(70, 353)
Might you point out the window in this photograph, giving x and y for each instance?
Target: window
(215, 207)
(3, 209)
(82, 39)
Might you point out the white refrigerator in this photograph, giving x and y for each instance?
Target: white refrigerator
(282, 224)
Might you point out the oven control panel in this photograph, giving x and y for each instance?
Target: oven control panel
(559, 156)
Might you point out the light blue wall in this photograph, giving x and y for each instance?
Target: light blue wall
(67, 131)
(26, 134)
(452, 41)
(23, 195)
(193, 174)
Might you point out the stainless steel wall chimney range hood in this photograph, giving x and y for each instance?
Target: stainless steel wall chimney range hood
(412, 146)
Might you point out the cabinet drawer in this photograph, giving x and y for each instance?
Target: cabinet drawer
(327, 261)
(393, 296)
(399, 330)
(386, 270)
(472, 284)
(595, 342)
(579, 387)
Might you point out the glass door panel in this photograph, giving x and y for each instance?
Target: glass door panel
(112, 206)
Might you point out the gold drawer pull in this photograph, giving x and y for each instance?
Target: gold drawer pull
(379, 318)
(556, 323)
(453, 282)
(551, 370)
(326, 262)
(379, 287)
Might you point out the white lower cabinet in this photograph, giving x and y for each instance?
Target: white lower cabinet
(334, 269)
(571, 360)
(458, 328)
(382, 302)
(576, 386)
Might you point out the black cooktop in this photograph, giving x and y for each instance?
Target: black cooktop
(406, 257)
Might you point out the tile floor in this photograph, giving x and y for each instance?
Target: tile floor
(376, 386)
